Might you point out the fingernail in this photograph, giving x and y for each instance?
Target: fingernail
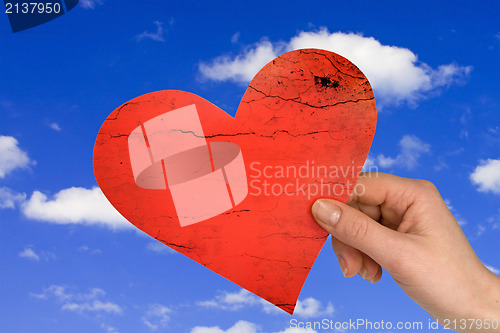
(363, 272)
(372, 280)
(342, 264)
(326, 212)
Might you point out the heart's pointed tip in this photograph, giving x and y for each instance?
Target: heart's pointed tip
(288, 308)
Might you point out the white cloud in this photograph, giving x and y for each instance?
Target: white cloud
(270, 308)
(441, 165)
(461, 221)
(75, 205)
(156, 316)
(60, 294)
(494, 221)
(232, 301)
(90, 4)
(77, 302)
(311, 308)
(370, 165)
(159, 247)
(10, 198)
(298, 330)
(89, 305)
(240, 68)
(395, 73)
(85, 248)
(487, 176)
(236, 37)
(93, 306)
(11, 156)
(441, 160)
(55, 127)
(246, 327)
(240, 327)
(480, 230)
(156, 36)
(29, 253)
(411, 149)
(308, 308)
(493, 269)
(108, 328)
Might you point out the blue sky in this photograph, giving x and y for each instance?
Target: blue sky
(69, 263)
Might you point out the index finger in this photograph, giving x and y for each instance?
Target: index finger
(379, 189)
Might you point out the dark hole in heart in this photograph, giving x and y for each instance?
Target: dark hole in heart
(325, 82)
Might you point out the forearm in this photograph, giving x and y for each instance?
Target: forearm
(481, 313)
(490, 310)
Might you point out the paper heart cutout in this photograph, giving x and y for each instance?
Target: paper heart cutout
(304, 126)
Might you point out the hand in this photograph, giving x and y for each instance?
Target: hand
(404, 226)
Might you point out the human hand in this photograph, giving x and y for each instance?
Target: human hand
(404, 226)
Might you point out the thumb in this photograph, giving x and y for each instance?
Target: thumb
(358, 230)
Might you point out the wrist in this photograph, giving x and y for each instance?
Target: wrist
(491, 305)
(485, 305)
(479, 311)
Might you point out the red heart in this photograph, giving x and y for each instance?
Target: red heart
(304, 127)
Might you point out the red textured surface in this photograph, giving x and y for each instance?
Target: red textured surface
(307, 108)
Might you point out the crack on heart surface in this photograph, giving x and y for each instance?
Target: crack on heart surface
(272, 135)
(175, 245)
(294, 135)
(115, 136)
(329, 182)
(128, 104)
(273, 118)
(331, 62)
(293, 236)
(323, 106)
(213, 135)
(275, 260)
(236, 211)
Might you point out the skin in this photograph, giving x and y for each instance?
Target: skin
(404, 226)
